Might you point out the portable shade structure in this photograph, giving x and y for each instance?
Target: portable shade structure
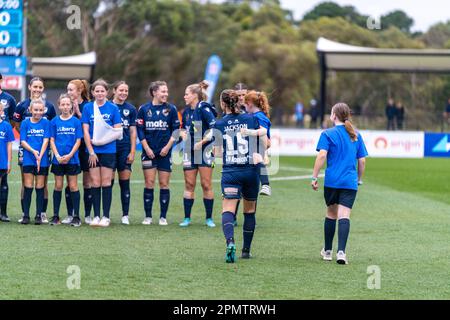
(65, 68)
(337, 56)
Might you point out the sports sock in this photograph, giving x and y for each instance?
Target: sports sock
(96, 200)
(248, 229)
(148, 202)
(106, 200)
(343, 231)
(164, 199)
(209, 204)
(227, 226)
(26, 201)
(75, 198)
(69, 204)
(329, 228)
(187, 204)
(40, 201)
(56, 202)
(125, 195)
(87, 199)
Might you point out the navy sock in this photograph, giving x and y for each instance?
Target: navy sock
(4, 192)
(26, 201)
(343, 231)
(44, 204)
(164, 199)
(112, 183)
(69, 204)
(56, 202)
(329, 228)
(209, 204)
(187, 203)
(148, 202)
(249, 229)
(125, 195)
(96, 200)
(228, 226)
(39, 201)
(263, 175)
(106, 200)
(75, 198)
(87, 199)
(22, 205)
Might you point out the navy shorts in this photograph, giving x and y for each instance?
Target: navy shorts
(3, 173)
(66, 169)
(121, 160)
(191, 163)
(33, 170)
(158, 162)
(241, 183)
(344, 197)
(83, 155)
(106, 160)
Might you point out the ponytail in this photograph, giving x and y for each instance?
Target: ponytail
(342, 112)
(260, 100)
(200, 90)
(230, 99)
(350, 130)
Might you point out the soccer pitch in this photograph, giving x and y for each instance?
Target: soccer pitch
(399, 224)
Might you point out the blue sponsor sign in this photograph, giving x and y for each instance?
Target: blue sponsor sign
(10, 38)
(212, 73)
(437, 145)
(11, 21)
(15, 66)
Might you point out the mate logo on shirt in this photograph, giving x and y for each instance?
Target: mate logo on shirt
(156, 124)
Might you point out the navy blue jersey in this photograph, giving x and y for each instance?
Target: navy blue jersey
(81, 107)
(238, 150)
(9, 105)
(156, 123)
(128, 115)
(22, 111)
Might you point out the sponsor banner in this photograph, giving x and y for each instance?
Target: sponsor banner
(386, 144)
(437, 145)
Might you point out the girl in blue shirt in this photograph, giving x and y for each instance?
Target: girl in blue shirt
(257, 104)
(6, 139)
(34, 138)
(65, 141)
(126, 148)
(198, 157)
(102, 159)
(78, 90)
(342, 148)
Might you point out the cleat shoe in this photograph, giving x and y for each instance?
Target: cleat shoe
(87, 220)
(44, 217)
(25, 220)
(230, 255)
(95, 222)
(104, 222)
(186, 222)
(125, 220)
(341, 258)
(38, 220)
(266, 190)
(67, 220)
(210, 223)
(163, 222)
(54, 221)
(246, 253)
(326, 254)
(147, 221)
(4, 218)
(76, 222)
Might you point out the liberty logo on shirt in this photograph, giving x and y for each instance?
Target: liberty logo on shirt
(65, 130)
(36, 132)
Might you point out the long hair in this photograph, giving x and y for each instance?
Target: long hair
(260, 100)
(83, 87)
(66, 96)
(343, 113)
(199, 89)
(230, 99)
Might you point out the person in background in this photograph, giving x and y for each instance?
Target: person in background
(314, 113)
(399, 115)
(299, 110)
(390, 114)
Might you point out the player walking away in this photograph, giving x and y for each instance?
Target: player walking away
(23, 112)
(257, 104)
(340, 146)
(34, 138)
(78, 90)
(240, 176)
(156, 122)
(102, 158)
(65, 140)
(8, 105)
(197, 155)
(126, 148)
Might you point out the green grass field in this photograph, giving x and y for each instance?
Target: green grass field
(400, 223)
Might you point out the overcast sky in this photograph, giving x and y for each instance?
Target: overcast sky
(424, 12)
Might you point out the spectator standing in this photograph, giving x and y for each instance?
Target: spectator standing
(390, 114)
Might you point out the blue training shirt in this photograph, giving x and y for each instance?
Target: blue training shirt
(9, 105)
(22, 111)
(264, 121)
(6, 136)
(237, 150)
(156, 123)
(66, 133)
(111, 115)
(128, 115)
(341, 172)
(34, 134)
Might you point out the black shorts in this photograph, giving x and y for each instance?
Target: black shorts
(121, 160)
(33, 170)
(344, 197)
(158, 162)
(66, 169)
(242, 183)
(106, 160)
(3, 173)
(83, 155)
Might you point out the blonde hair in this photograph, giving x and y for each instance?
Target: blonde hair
(199, 89)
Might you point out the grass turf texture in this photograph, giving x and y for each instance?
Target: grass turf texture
(399, 223)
